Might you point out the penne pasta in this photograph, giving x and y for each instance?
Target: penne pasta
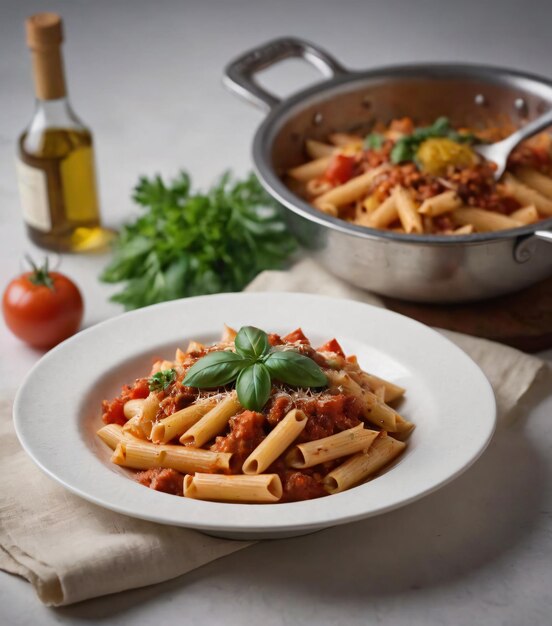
(392, 391)
(403, 428)
(349, 191)
(317, 186)
(312, 169)
(364, 464)
(442, 203)
(536, 180)
(212, 423)
(526, 195)
(143, 455)
(178, 423)
(375, 411)
(228, 334)
(410, 219)
(342, 444)
(195, 346)
(277, 441)
(237, 488)
(526, 215)
(482, 220)
(467, 229)
(317, 149)
(111, 434)
(385, 214)
(141, 422)
(261, 454)
(346, 140)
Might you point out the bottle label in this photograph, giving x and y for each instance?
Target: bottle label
(33, 191)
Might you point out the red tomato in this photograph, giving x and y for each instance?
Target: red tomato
(340, 169)
(42, 308)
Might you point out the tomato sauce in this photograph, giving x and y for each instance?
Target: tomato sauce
(112, 411)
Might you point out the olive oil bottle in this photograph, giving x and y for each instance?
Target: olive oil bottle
(55, 164)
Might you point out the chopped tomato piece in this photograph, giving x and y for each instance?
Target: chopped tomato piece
(340, 169)
(332, 346)
(296, 335)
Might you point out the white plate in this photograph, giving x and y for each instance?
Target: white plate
(57, 409)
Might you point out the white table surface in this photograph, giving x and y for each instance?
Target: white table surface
(146, 77)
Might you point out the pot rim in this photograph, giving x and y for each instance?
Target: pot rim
(278, 115)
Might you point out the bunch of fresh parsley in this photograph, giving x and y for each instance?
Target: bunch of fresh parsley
(188, 243)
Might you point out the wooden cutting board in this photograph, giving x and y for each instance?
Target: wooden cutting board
(522, 320)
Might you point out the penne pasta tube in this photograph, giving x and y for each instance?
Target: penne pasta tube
(351, 190)
(228, 334)
(212, 422)
(371, 382)
(364, 464)
(527, 195)
(532, 178)
(342, 444)
(346, 140)
(410, 219)
(134, 407)
(526, 215)
(482, 220)
(317, 149)
(179, 422)
(141, 423)
(235, 488)
(317, 186)
(404, 428)
(111, 434)
(467, 229)
(375, 411)
(195, 346)
(312, 169)
(276, 442)
(143, 455)
(385, 214)
(442, 203)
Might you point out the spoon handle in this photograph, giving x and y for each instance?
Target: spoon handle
(530, 129)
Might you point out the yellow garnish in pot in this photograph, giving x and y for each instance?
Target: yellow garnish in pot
(437, 154)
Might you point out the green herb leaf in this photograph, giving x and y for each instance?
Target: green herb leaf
(161, 380)
(295, 369)
(402, 151)
(253, 386)
(188, 244)
(374, 141)
(251, 342)
(216, 369)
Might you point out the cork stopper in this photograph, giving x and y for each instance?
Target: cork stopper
(44, 38)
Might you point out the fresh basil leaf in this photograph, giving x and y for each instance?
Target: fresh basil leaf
(402, 151)
(374, 141)
(215, 370)
(251, 342)
(295, 369)
(161, 380)
(253, 387)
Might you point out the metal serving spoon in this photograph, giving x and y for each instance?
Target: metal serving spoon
(500, 151)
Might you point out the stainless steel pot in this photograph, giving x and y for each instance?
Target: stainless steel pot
(413, 267)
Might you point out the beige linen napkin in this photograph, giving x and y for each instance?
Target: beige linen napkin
(71, 550)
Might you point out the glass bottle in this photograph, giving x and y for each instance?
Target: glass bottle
(55, 163)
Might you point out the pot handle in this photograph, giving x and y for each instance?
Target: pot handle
(526, 247)
(239, 74)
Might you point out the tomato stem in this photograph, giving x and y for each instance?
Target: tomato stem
(41, 274)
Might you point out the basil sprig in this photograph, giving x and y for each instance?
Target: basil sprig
(254, 366)
(406, 147)
(161, 380)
